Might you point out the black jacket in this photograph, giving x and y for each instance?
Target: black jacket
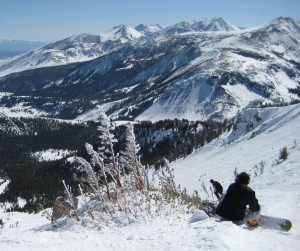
(217, 187)
(236, 199)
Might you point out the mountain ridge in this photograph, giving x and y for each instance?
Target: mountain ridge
(59, 53)
(192, 75)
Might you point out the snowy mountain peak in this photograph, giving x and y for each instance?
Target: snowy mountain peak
(283, 20)
(217, 24)
(78, 48)
(122, 33)
(148, 29)
(212, 24)
(285, 24)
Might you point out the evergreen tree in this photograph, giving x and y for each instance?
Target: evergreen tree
(284, 153)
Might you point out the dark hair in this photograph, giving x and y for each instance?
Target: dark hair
(211, 181)
(243, 178)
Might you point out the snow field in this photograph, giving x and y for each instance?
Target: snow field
(277, 189)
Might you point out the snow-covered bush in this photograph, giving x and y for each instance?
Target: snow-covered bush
(129, 159)
(259, 168)
(115, 189)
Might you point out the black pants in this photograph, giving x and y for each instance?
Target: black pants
(218, 195)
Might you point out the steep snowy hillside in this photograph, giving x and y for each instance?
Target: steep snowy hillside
(233, 71)
(257, 136)
(277, 187)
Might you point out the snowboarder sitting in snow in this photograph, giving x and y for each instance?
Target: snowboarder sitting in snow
(1, 223)
(237, 198)
(217, 188)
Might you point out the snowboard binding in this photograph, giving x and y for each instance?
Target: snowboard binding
(252, 222)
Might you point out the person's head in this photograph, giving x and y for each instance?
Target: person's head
(211, 181)
(243, 178)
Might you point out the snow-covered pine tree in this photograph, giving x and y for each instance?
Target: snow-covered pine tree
(129, 159)
(106, 150)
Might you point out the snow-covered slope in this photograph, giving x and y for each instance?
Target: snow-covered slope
(232, 71)
(277, 188)
(258, 136)
(77, 48)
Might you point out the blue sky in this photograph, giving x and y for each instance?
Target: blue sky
(52, 20)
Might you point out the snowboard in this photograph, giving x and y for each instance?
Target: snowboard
(270, 222)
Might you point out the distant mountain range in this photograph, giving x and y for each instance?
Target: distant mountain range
(11, 48)
(85, 47)
(197, 70)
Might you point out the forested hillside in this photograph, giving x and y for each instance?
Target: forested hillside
(38, 179)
